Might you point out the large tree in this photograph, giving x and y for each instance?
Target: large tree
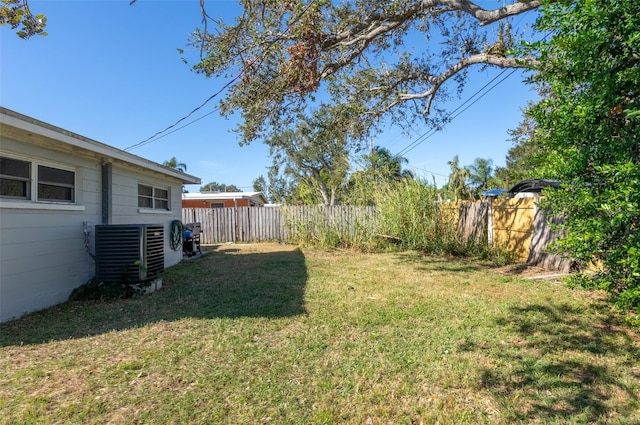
(314, 152)
(382, 59)
(219, 187)
(590, 128)
(18, 15)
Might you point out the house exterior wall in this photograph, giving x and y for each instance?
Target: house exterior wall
(42, 254)
(125, 206)
(42, 245)
(206, 203)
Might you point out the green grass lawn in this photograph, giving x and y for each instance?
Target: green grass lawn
(271, 334)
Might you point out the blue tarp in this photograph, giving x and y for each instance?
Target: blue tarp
(494, 192)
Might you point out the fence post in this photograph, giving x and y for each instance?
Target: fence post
(490, 221)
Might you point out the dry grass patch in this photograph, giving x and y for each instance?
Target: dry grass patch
(272, 334)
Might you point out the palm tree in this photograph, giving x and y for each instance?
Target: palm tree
(180, 166)
(382, 161)
(173, 163)
(480, 172)
(457, 180)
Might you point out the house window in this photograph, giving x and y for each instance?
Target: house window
(217, 205)
(15, 178)
(55, 184)
(52, 184)
(153, 197)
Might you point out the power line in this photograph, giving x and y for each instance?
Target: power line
(428, 171)
(450, 117)
(433, 130)
(174, 130)
(153, 138)
(484, 94)
(227, 85)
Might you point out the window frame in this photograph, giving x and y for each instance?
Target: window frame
(57, 184)
(34, 181)
(154, 199)
(14, 178)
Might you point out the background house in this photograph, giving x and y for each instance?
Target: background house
(223, 199)
(55, 187)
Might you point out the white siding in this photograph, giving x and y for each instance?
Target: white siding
(125, 206)
(42, 253)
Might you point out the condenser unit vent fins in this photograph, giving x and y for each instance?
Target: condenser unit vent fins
(155, 250)
(129, 253)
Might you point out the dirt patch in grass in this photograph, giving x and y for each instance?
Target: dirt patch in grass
(525, 271)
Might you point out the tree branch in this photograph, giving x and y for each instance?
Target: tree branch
(486, 17)
(378, 24)
(342, 46)
(481, 58)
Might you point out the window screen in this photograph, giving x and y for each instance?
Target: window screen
(55, 184)
(15, 178)
(153, 197)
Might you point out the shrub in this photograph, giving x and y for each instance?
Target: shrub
(101, 291)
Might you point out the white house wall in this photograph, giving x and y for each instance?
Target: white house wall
(125, 206)
(42, 256)
(42, 252)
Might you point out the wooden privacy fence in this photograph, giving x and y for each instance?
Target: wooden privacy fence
(522, 228)
(511, 225)
(241, 224)
(251, 224)
(472, 220)
(516, 225)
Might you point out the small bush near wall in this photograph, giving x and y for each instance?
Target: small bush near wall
(94, 290)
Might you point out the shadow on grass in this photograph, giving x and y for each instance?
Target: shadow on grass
(223, 283)
(428, 263)
(565, 366)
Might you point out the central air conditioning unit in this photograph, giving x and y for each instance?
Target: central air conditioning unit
(130, 253)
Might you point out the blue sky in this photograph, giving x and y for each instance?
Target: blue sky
(112, 72)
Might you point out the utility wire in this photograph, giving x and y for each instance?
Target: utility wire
(429, 132)
(227, 85)
(450, 116)
(484, 94)
(153, 138)
(434, 130)
(160, 134)
(428, 171)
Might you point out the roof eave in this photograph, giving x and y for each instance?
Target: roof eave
(33, 126)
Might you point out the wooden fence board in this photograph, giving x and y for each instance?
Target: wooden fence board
(512, 225)
(543, 235)
(516, 225)
(472, 220)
